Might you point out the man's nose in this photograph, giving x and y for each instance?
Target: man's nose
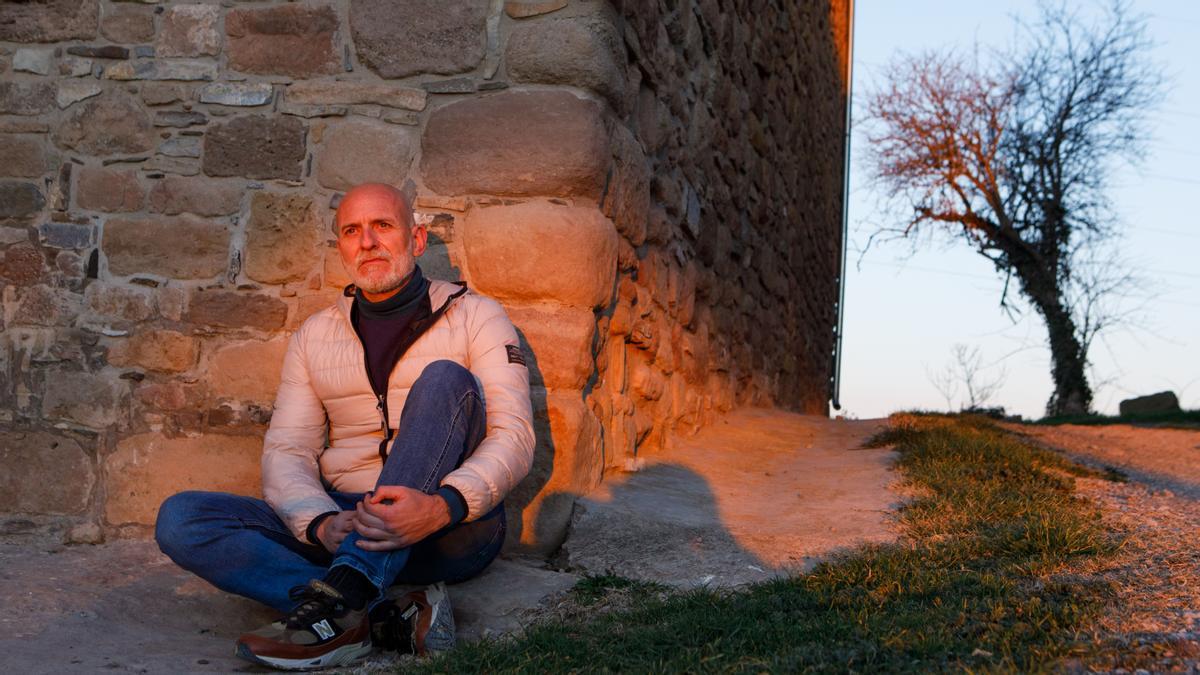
(369, 238)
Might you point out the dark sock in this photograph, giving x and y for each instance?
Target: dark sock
(354, 587)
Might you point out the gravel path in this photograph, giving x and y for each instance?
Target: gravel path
(1153, 623)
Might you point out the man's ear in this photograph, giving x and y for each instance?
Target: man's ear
(420, 236)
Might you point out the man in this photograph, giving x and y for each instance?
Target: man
(357, 497)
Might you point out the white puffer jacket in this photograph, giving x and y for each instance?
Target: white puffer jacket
(326, 425)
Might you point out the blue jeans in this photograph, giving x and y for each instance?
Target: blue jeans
(241, 546)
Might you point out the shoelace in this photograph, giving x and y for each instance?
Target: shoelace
(315, 604)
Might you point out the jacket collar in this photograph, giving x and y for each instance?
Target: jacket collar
(441, 293)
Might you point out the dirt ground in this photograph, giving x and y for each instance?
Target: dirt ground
(1153, 622)
(759, 493)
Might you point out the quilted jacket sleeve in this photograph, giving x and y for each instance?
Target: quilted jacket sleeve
(293, 444)
(505, 455)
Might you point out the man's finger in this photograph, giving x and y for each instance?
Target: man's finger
(389, 492)
(373, 532)
(371, 519)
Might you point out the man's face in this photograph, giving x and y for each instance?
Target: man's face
(377, 243)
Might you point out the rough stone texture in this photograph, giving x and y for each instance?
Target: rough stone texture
(520, 144)
(282, 236)
(255, 146)
(25, 98)
(365, 152)
(23, 156)
(122, 303)
(247, 371)
(162, 70)
(1162, 402)
(20, 200)
(127, 23)
(567, 463)
(227, 309)
(49, 21)
(559, 351)
(109, 124)
(162, 93)
(237, 93)
(510, 248)
(91, 399)
(176, 248)
(66, 235)
(189, 30)
(173, 195)
(585, 52)
(23, 265)
(148, 468)
(111, 190)
(61, 470)
(162, 351)
(399, 39)
(32, 60)
(285, 40)
(327, 92)
(74, 91)
(45, 306)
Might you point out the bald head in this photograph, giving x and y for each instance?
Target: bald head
(378, 195)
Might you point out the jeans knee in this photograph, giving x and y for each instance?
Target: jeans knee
(448, 374)
(171, 523)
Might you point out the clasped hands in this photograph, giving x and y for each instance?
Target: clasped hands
(390, 518)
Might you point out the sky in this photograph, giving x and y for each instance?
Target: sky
(905, 311)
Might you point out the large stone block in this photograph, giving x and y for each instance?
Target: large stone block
(365, 152)
(568, 463)
(541, 251)
(560, 344)
(255, 146)
(285, 40)
(46, 306)
(282, 238)
(411, 37)
(145, 469)
(165, 69)
(26, 98)
(189, 30)
(324, 92)
(123, 303)
(94, 400)
(112, 123)
(127, 23)
(42, 472)
(23, 156)
(174, 195)
(164, 351)
(520, 144)
(227, 309)
(23, 265)
(48, 21)
(20, 200)
(247, 371)
(177, 248)
(110, 190)
(1152, 404)
(585, 52)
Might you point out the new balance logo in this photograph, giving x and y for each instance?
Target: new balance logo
(323, 629)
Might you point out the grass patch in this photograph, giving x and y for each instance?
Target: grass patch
(1186, 419)
(972, 587)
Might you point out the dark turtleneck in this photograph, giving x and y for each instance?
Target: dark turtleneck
(380, 325)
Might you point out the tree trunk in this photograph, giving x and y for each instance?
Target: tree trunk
(1072, 395)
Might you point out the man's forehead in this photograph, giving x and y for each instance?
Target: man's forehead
(372, 201)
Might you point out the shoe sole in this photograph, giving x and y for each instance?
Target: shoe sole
(341, 656)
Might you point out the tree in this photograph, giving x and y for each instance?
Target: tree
(1013, 153)
(966, 368)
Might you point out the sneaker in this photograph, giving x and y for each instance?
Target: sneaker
(320, 632)
(420, 622)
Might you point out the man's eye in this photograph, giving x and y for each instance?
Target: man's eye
(383, 225)
(349, 231)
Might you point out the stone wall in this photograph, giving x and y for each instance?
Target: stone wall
(652, 190)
